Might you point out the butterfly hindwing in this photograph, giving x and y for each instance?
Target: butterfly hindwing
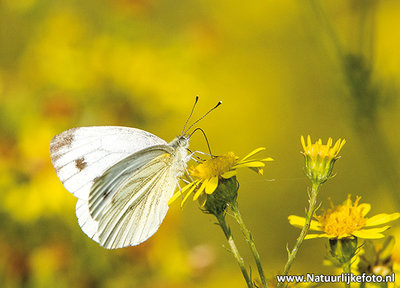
(130, 200)
(88, 225)
(80, 155)
(105, 187)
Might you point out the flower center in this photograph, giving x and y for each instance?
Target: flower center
(214, 167)
(343, 220)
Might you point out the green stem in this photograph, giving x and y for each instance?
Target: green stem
(310, 213)
(235, 251)
(250, 241)
(347, 269)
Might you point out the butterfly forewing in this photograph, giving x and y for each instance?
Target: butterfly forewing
(80, 155)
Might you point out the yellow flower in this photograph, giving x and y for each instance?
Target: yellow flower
(347, 220)
(320, 158)
(208, 174)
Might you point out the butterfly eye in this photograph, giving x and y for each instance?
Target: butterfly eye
(184, 141)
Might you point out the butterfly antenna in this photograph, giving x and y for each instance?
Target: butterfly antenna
(205, 136)
(194, 105)
(195, 122)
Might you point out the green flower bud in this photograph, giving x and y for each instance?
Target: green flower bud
(343, 250)
(225, 194)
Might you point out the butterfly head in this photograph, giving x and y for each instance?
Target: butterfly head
(181, 141)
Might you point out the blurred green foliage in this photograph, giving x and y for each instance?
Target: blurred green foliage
(139, 63)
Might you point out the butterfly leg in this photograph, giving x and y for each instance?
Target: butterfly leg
(194, 157)
(188, 174)
(186, 181)
(180, 190)
(198, 161)
(192, 154)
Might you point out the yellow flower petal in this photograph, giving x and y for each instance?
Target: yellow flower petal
(179, 193)
(228, 174)
(188, 194)
(250, 164)
(212, 185)
(309, 140)
(303, 143)
(381, 219)
(201, 189)
(365, 208)
(341, 236)
(330, 141)
(341, 145)
(374, 233)
(251, 160)
(254, 152)
(174, 197)
(313, 236)
(298, 221)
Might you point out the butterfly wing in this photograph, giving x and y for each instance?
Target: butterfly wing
(80, 155)
(130, 200)
(88, 225)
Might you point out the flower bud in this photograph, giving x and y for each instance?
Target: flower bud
(319, 158)
(343, 250)
(224, 194)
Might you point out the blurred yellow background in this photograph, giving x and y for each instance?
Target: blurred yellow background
(282, 69)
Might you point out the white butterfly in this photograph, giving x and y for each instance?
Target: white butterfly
(123, 178)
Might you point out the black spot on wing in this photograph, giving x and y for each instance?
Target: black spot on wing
(80, 163)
